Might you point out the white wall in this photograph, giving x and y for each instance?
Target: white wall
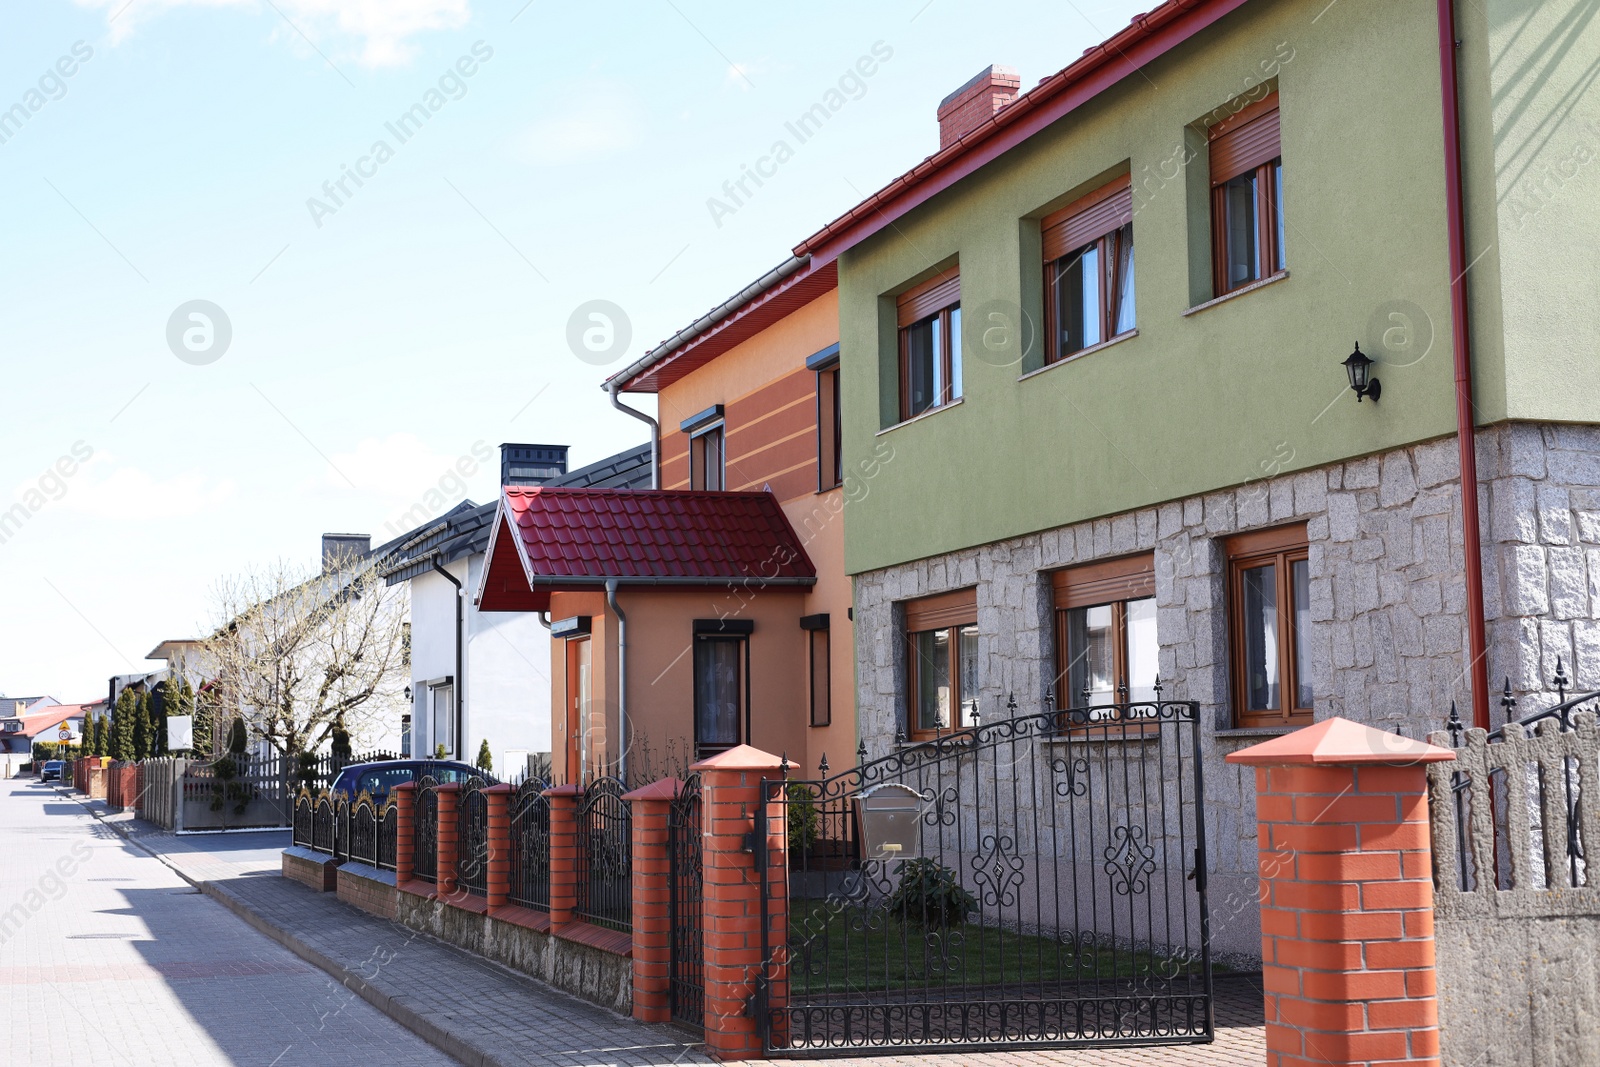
(506, 663)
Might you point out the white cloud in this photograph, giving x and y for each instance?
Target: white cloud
(108, 489)
(580, 129)
(376, 33)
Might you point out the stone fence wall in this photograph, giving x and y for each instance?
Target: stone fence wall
(1517, 908)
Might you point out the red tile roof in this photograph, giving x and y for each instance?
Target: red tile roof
(37, 723)
(549, 539)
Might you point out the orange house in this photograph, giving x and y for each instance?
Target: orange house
(714, 611)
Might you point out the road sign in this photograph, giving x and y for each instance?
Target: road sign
(65, 733)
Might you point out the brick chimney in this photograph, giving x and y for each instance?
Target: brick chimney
(975, 102)
(341, 548)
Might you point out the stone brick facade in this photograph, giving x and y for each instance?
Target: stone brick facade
(1388, 629)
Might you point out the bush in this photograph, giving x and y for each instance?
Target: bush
(805, 822)
(485, 760)
(930, 894)
(49, 750)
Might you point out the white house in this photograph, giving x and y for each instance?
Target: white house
(479, 676)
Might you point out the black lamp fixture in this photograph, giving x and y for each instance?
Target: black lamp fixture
(1359, 367)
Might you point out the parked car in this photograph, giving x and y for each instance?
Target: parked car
(52, 770)
(380, 777)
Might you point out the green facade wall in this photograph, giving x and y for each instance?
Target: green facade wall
(1245, 389)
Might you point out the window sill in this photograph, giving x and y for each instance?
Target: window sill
(957, 402)
(1271, 279)
(1245, 733)
(1091, 350)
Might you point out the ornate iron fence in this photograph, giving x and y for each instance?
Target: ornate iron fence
(472, 837)
(322, 824)
(1511, 811)
(303, 805)
(605, 877)
(1036, 880)
(685, 911)
(425, 840)
(362, 821)
(388, 836)
(530, 846)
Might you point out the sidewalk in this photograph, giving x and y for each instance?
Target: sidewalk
(483, 1014)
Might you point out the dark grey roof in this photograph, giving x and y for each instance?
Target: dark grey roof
(625, 470)
(465, 529)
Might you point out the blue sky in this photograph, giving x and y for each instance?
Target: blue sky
(374, 345)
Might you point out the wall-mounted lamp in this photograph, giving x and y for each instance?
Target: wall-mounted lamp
(1359, 367)
(408, 694)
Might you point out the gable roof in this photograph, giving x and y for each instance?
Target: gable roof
(1147, 38)
(553, 538)
(37, 723)
(464, 530)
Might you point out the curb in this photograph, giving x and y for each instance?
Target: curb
(413, 1020)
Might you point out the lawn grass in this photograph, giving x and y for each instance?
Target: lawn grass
(833, 952)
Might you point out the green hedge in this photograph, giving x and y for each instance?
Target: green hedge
(48, 750)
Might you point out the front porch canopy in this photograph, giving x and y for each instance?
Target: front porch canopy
(549, 540)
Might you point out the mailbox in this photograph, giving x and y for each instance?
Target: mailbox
(890, 816)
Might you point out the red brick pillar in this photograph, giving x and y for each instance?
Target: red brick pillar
(498, 845)
(405, 828)
(732, 789)
(1346, 896)
(652, 924)
(565, 854)
(445, 854)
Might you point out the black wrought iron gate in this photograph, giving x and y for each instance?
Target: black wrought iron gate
(686, 974)
(1042, 885)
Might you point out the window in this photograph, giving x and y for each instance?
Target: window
(405, 735)
(1246, 197)
(830, 430)
(721, 684)
(1088, 255)
(706, 459)
(929, 319)
(442, 700)
(1269, 613)
(816, 627)
(942, 663)
(1106, 633)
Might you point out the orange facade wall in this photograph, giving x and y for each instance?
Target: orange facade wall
(661, 672)
(770, 406)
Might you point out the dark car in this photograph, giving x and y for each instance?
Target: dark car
(51, 770)
(380, 777)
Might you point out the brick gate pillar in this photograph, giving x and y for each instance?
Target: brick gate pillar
(652, 924)
(445, 853)
(731, 784)
(1346, 896)
(405, 828)
(497, 844)
(565, 854)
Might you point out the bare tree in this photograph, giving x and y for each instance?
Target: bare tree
(293, 652)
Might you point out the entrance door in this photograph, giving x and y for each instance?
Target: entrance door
(581, 753)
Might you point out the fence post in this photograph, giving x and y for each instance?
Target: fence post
(732, 788)
(1346, 896)
(497, 843)
(652, 873)
(445, 854)
(565, 854)
(405, 828)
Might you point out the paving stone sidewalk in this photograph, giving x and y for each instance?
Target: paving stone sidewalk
(483, 1014)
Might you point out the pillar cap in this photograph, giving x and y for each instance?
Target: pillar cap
(740, 758)
(665, 789)
(571, 789)
(1339, 741)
